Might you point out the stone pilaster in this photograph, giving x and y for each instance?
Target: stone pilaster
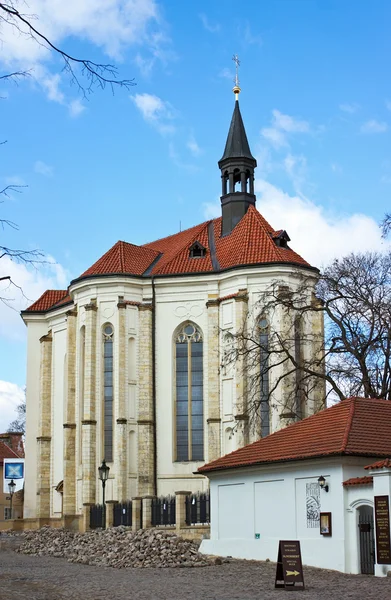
(146, 450)
(121, 423)
(69, 498)
(44, 439)
(214, 417)
(89, 461)
(241, 413)
(110, 513)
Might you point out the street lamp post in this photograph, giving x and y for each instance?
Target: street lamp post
(103, 476)
(11, 490)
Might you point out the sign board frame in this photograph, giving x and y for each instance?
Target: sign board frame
(289, 570)
(382, 523)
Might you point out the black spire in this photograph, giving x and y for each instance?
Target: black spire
(237, 172)
(237, 144)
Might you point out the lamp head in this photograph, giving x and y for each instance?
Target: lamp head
(11, 487)
(103, 471)
(322, 483)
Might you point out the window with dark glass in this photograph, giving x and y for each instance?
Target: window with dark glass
(264, 376)
(108, 367)
(189, 394)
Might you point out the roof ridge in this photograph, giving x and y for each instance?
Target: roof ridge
(121, 255)
(177, 233)
(349, 422)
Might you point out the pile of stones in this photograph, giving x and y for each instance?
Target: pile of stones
(116, 547)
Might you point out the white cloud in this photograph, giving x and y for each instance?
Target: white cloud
(317, 236)
(112, 25)
(193, 146)
(43, 169)
(248, 37)
(76, 108)
(281, 126)
(10, 396)
(30, 282)
(388, 104)
(373, 126)
(336, 168)
(349, 107)
(212, 28)
(155, 111)
(177, 160)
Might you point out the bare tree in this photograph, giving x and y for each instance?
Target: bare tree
(85, 74)
(94, 74)
(298, 349)
(19, 424)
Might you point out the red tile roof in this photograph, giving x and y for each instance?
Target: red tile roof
(356, 426)
(250, 243)
(380, 464)
(6, 452)
(366, 480)
(14, 441)
(47, 300)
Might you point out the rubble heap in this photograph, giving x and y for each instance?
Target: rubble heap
(117, 547)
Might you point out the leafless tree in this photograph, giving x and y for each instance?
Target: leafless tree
(85, 74)
(92, 74)
(19, 424)
(287, 361)
(386, 225)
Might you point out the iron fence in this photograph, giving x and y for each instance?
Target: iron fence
(163, 511)
(96, 516)
(198, 509)
(122, 514)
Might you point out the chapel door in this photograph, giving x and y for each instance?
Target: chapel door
(367, 540)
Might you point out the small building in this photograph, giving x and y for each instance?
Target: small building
(307, 482)
(11, 447)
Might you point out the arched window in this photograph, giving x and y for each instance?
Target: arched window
(264, 375)
(189, 393)
(82, 354)
(299, 392)
(108, 367)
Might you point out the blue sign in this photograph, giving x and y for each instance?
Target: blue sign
(14, 470)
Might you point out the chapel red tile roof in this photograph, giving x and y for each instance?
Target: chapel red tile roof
(47, 300)
(251, 242)
(380, 464)
(356, 426)
(353, 481)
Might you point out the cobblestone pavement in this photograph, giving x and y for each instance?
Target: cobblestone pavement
(24, 577)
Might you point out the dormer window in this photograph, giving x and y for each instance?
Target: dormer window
(197, 250)
(281, 238)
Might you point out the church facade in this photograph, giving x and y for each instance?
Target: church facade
(126, 363)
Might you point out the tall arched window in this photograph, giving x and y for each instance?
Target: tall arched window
(108, 367)
(299, 391)
(264, 375)
(189, 393)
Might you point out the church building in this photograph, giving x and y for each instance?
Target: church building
(125, 365)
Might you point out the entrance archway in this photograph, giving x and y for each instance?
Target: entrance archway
(366, 539)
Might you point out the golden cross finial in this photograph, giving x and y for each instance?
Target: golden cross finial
(236, 88)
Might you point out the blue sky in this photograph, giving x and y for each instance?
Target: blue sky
(316, 102)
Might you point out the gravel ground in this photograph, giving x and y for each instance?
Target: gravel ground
(24, 577)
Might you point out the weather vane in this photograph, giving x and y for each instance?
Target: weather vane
(236, 88)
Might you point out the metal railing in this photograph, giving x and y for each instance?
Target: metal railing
(198, 509)
(163, 511)
(96, 516)
(122, 514)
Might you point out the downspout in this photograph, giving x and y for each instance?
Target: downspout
(154, 386)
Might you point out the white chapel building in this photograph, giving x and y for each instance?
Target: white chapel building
(125, 363)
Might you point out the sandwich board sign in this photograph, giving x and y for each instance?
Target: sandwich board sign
(289, 572)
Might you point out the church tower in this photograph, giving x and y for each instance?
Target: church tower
(237, 170)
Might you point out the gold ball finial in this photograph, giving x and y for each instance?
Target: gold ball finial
(236, 90)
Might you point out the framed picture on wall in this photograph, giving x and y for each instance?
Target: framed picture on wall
(325, 523)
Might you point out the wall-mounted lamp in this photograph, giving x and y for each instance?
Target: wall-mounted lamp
(323, 484)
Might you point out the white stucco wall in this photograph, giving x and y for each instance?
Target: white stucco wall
(271, 501)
